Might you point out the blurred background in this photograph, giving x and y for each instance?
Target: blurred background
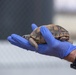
(16, 16)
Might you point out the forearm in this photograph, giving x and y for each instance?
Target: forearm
(71, 57)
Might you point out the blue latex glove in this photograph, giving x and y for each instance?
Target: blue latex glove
(53, 47)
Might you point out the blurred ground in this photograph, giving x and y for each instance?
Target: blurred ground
(17, 61)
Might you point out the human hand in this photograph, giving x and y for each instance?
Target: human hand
(53, 47)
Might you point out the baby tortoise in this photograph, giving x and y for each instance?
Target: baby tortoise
(58, 32)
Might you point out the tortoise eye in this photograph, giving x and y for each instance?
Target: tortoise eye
(37, 39)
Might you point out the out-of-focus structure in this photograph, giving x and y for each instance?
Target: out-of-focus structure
(16, 16)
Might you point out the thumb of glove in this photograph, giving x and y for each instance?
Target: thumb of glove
(49, 38)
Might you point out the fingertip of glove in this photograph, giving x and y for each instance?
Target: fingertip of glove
(33, 26)
(43, 29)
(14, 35)
(8, 38)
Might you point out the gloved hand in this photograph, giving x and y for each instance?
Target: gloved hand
(53, 47)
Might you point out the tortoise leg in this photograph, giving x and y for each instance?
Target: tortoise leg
(63, 38)
(33, 43)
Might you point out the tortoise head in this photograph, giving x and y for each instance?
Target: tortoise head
(26, 36)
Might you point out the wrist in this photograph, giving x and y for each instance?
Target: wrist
(71, 57)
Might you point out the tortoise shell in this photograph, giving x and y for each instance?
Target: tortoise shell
(58, 32)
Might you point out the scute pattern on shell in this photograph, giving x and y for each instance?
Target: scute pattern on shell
(57, 31)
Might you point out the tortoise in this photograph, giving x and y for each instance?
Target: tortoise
(58, 32)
